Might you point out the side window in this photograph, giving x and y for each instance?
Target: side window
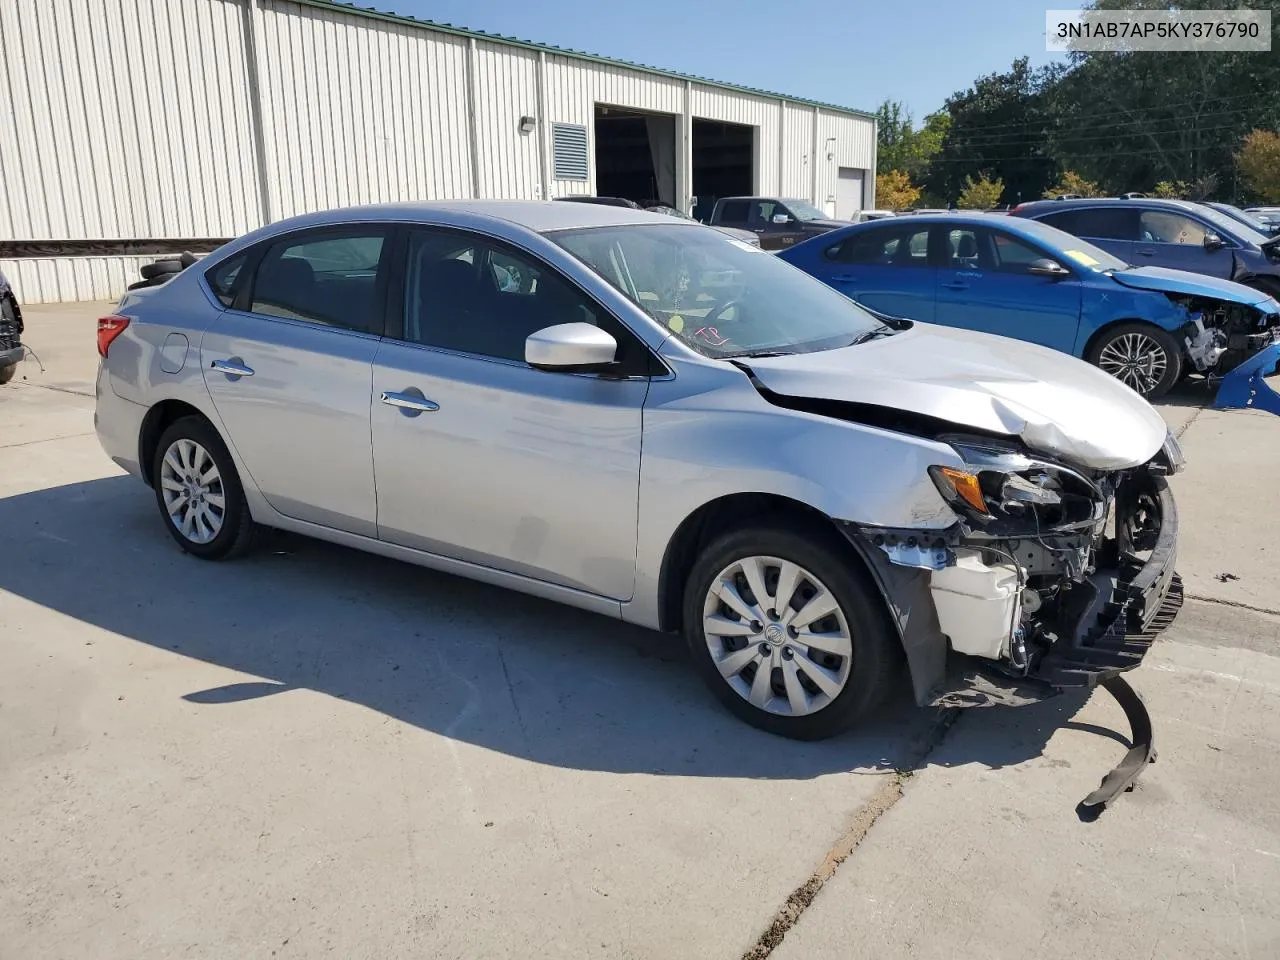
(331, 279)
(1103, 223)
(898, 246)
(223, 278)
(465, 294)
(1159, 226)
(765, 209)
(1013, 255)
(965, 249)
(734, 211)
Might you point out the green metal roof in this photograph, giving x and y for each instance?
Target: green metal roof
(343, 7)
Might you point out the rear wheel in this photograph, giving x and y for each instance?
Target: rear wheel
(6, 373)
(1141, 356)
(786, 633)
(199, 492)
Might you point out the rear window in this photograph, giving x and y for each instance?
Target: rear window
(1104, 223)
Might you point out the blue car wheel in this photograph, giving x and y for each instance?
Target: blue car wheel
(1139, 355)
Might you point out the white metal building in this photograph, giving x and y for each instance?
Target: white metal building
(142, 127)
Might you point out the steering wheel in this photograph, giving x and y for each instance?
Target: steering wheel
(718, 312)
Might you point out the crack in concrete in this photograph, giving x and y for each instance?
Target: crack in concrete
(1239, 604)
(1187, 426)
(888, 794)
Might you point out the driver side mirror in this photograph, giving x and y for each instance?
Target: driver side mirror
(781, 218)
(1213, 242)
(1044, 267)
(570, 348)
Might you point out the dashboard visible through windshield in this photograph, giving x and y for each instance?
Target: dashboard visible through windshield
(721, 296)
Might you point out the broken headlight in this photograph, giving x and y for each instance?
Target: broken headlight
(997, 485)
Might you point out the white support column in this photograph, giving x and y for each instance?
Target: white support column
(782, 148)
(813, 158)
(473, 134)
(256, 69)
(544, 130)
(684, 169)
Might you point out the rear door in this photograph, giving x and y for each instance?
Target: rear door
(1167, 238)
(289, 369)
(984, 285)
(886, 268)
(1113, 228)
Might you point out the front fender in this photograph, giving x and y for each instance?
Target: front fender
(711, 435)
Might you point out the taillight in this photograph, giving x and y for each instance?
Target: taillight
(1016, 209)
(108, 329)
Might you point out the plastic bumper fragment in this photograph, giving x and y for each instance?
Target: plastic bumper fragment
(1246, 387)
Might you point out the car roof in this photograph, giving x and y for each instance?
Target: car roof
(1034, 230)
(1144, 203)
(540, 216)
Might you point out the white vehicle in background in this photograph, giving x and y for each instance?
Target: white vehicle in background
(862, 216)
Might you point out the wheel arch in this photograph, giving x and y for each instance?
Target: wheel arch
(1102, 331)
(720, 516)
(158, 419)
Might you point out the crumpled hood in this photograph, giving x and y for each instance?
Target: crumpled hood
(1165, 280)
(1057, 405)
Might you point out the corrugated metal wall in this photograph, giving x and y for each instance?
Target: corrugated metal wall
(136, 119)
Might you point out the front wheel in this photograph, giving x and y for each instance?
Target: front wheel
(1141, 356)
(786, 632)
(6, 373)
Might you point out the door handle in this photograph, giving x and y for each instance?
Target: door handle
(956, 285)
(232, 367)
(845, 278)
(1146, 253)
(413, 403)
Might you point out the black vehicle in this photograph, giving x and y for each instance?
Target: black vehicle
(11, 348)
(778, 223)
(1168, 233)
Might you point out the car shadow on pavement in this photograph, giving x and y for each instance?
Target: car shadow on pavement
(511, 673)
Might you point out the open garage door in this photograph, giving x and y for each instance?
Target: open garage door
(723, 163)
(635, 155)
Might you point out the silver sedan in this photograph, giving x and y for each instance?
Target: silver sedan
(657, 422)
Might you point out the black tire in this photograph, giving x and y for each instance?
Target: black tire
(237, 531)
(1113, 344)
(7, 372)
(875, 649)
(157, 268)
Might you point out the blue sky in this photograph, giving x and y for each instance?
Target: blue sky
(853, 53)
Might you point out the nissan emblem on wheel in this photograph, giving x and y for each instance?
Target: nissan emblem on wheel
(647, 418)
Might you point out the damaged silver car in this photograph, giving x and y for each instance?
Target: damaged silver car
(659, 423)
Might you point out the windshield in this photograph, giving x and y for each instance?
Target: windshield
(1232, 227)
(1235, 213)
(721, 296)
(804, 210)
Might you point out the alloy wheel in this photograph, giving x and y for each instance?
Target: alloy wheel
(192, 489)
(777, 635)
(1136, 360)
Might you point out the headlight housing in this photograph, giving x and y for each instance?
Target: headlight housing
(996, 485)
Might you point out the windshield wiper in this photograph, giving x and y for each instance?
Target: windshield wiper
(883, 330)
(756, 354)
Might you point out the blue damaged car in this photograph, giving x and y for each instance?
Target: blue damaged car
(1146, 326)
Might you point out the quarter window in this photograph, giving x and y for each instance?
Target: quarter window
(330, 279)
(222, 278)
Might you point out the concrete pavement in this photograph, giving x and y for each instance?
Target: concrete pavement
(316, 752)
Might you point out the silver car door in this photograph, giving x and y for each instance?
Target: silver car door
(290, 374)
(482, 458)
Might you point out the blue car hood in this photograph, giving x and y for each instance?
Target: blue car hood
(1165, 280)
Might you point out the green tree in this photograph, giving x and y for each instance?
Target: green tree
(894, 191)
(980, 194)
(899, 146)
(1259, 162)
(1071, 182)
(1170, 189)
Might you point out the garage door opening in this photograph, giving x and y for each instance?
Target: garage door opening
(723, 163)
(635, 155)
